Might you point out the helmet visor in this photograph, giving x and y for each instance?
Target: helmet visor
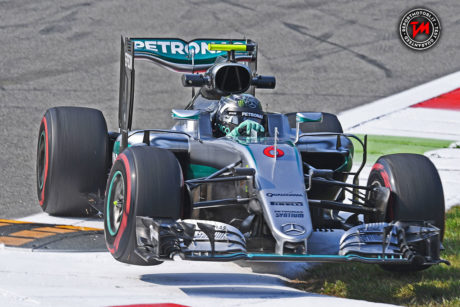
(237, 118)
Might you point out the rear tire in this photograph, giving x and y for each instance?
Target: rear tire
(71, 159)
(144, 181)
(416, 193)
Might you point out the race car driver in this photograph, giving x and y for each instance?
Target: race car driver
(238, 115)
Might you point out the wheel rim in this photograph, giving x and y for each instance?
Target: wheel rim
(389, 215)
(376, 184)
(41, 160)
(115, 203)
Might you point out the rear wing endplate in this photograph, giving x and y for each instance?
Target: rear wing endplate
(126, 95)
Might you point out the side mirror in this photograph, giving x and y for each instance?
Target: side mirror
(264, 82)
(186, 114)
(194, 80)
(306, 117)
(188, 121)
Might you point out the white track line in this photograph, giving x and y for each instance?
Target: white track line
(415, 122)
(393, 116)
(96, 279)
(374, 110)
(45, 218)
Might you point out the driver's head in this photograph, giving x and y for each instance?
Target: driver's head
(235, 109)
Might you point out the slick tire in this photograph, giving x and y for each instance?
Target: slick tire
(72, 159)
(416, 193)
(144, 181)
(330, 123)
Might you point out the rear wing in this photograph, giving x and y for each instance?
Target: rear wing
(174, 54)
(186, 57)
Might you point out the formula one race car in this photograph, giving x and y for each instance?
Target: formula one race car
(256, 195)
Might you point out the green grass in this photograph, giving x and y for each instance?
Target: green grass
(436, 286)
(378, 145)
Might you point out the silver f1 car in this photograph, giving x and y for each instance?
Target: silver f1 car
(186, 193)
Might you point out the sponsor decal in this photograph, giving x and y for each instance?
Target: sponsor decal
(269, 152)
(252, 104)
(292, 204)
(420, 29)
(199, 235)
(128, 61)
(177, 50)
(250, 114)
(220, 227)
(293, 229)
(223, 129)
(289, 214)
(283, 194)
(172, 47)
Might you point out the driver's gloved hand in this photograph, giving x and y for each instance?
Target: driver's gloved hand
(246, 127)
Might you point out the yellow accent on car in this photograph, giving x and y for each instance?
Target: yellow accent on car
(226, 47)
(115, 203)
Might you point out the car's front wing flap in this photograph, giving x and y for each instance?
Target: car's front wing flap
(378, 243)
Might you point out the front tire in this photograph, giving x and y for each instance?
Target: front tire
(416, 193)
(72, 158)
(144, 181)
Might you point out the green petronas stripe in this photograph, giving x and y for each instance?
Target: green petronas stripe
(195, 117)
(112, 232)
(116, 147)
(199, 171)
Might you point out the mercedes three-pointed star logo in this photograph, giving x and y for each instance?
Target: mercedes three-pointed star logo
(293, 229)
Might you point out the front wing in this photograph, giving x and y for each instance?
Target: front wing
(379, 243)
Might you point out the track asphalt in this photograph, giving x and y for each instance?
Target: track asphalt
(326, 55)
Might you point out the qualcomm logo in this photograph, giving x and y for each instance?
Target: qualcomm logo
(293, 229)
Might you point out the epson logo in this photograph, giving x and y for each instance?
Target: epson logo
(283, 194)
